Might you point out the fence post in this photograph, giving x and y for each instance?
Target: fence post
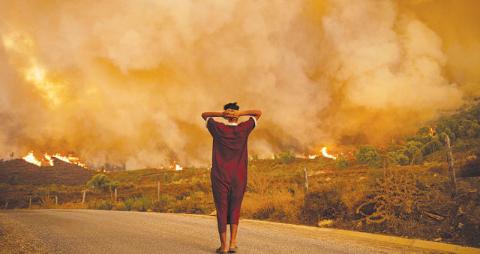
(158, 190)
(6, 204)
(30, 202)
(56, 200)
(115, 194)
(83, 196)
(306, 179)
(451, 170)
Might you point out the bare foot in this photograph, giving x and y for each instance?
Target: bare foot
(221, 250)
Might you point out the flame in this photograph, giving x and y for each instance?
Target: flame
(69, 159)
(325, 153)
(30, 158)
(23, 48)
(312, 156)
(178, 167)
(49, 159)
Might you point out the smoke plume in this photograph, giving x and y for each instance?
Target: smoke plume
(125, 82)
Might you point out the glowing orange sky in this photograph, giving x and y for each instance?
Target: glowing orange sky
(126, 82)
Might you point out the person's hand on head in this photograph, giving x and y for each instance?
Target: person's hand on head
(226, 114)
(235, 114)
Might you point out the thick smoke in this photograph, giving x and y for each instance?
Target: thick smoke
(125, 82)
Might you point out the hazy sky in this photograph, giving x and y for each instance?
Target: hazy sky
(126, 81)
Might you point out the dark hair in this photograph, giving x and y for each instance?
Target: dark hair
(231, 105)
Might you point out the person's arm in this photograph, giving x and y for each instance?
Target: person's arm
(252, 112)
(212, 114)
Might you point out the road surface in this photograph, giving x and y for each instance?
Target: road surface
(98, 231)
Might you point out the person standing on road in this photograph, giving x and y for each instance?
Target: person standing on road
(229, 167)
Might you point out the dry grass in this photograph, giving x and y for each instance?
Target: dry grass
(357, 198)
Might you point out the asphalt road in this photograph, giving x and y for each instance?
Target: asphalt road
(97, 231)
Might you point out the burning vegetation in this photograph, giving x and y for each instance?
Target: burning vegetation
(47, 160)
(369, 188)
(71, 82)
(322, 77)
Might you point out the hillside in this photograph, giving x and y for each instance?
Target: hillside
(401, 189)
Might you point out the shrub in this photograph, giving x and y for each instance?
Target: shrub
(322, 205)
(142, 204)
(414, 152)
(432, 146)
(368, 155)
(265, 212)
(105, 205)
(120, 206)
(286, 157)
(398, 158)
(162, 204)
(281, 206)
(101, 182)
(137, 204)
(341, 162)
(100, 204)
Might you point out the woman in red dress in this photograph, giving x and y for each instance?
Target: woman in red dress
(229, 167)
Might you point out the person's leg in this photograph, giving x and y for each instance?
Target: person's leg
(235, 203)
(233, 235)
(220, 196)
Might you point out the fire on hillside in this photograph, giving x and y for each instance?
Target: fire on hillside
(324, 153)
(48, 160)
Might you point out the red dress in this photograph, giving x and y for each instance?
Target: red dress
(229, 168)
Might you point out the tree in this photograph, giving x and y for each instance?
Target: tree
(102, 182)
(414, 152)
(368, 155)
(432, 146)
(398, 157)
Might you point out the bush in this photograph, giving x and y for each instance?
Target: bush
(414, 152)
(142, 204)
(280, 206)
(368, 155)
(120, 206)
(138, 204)
(100, 204)
(105, 205)
(341, 162)
(286, 157)
(323, 205)
(101, 182)
(431, 147)
(162, 204)
(398, 158)
(268, 211)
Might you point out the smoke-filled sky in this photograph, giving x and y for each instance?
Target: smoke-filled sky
(126, 81)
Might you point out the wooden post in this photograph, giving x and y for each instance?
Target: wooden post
(306, 179)
(83, 196)
(56, 200)
(6, 204)
(158, 190)
(451, 170)
(115, 194)
(30, 202)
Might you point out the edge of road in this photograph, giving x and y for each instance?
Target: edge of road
(417, 243)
